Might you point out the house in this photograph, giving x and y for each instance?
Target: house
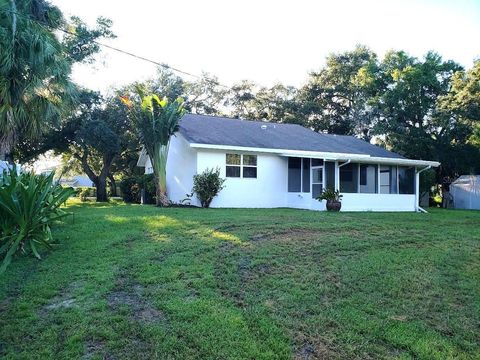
(465, 192)
(270, 165)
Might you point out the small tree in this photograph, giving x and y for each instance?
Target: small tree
(156, 120)
(207, 185)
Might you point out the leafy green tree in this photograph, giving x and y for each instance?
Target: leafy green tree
(101, 133)
(247, 100)
(463, 101)
(156, 120)
(335, 99)
(35, 67)
(409, 117)
(34, 71)
(203, 96)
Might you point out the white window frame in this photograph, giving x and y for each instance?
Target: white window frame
(311, 176)
(241, 166)
(249, 166)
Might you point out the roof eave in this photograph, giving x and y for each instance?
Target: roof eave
(321, 155)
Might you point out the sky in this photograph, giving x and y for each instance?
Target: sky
(269, 41)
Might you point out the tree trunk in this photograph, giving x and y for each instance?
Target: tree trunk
(100, 181)
(101, 186)
(113, 185)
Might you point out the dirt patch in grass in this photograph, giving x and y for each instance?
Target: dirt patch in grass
(132, 295)
(291, 235)
(314, 349)
(66, 299)
(94, 348)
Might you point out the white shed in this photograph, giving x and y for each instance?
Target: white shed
(466, 192)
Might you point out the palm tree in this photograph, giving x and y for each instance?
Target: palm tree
(156, 120)
(34, 71)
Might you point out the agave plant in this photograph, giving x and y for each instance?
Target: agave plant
(29, 204)
(156, 120)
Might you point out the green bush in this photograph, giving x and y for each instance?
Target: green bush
(29, 204)
(207, 185)
(84, 192)
(131, 188)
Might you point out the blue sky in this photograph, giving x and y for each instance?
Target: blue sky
(270, 41)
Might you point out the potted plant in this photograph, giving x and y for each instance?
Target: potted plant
(333, 198)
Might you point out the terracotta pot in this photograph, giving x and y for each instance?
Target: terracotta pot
(333, 205)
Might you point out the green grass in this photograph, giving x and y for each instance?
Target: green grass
(130, 281)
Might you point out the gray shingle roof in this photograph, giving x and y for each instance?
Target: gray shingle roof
(213, 130)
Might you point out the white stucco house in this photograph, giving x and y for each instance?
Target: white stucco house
(270, 165)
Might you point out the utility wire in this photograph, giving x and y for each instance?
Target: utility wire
(128, 53)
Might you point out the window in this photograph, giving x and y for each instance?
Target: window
(368, 178)
(294, 174)
(233, 165)
(406, 180)
(241, 166)
(349, 178)
(249, 166)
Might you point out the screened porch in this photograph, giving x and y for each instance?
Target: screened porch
(309, 176)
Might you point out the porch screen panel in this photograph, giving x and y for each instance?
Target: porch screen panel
(393, 181)
(294, 174)
(368, 179)
(385, 179)
(317, 182)
(349, 178)
(329, 175)
(306, 175)
(406, 180)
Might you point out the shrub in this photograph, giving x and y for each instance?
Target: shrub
(207, 185)
(131, 188)
(84, 192)
(29, 204)
(129, 192)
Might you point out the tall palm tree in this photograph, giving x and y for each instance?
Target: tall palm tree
(34, 71)
(156, 120)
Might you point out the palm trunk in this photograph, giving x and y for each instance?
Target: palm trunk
(7, 140)
(159, 163)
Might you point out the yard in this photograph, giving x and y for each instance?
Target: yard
(129, 281)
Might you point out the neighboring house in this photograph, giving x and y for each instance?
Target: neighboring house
(285, 165)
(465, 192)
(77, 181)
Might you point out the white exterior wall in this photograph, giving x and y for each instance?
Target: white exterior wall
(181, 167)
(268, 190)
(378, 202)
(356, 202)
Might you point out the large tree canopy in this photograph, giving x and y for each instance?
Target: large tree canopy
(335, 97)
(35, 67)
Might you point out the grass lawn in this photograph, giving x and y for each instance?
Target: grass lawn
(129, 281)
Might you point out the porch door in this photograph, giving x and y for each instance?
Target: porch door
(317, 181)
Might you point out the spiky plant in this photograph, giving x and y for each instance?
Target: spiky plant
(156, 121)
(29, 204)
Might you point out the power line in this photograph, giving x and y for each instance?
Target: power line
(128, 53)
